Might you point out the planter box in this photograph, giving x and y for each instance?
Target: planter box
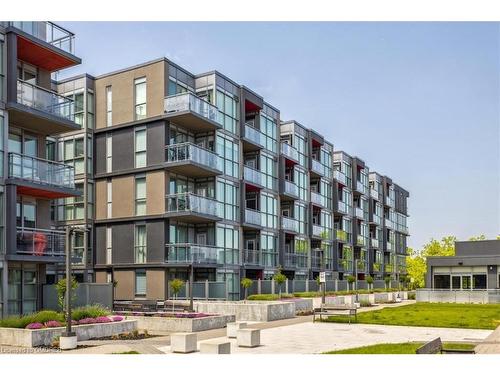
(302, 304)
(260, 311)
(157, 323)
(369, 298)
(44, 337)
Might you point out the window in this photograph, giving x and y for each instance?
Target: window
(1, 134)
(78, 248)
(109, 152)
(140, 247)
(228, 239)
(109, 106)
(140, 283)
(140, 147)
(2, 70)
(228, 150)
(140, 195)
(269, 210)
(269, 128)
(72, 208)
(72, 152)
(109, 245)
(90, 109)
(109, 188)
(140, 98)
(227, 195)
(227, 105)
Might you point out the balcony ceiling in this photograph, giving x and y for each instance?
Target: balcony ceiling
(43, 57)
(192, 121)
(39, 121)
(44, 191)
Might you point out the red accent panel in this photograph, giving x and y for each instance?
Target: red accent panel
(251, 107)
(41, 193)
(316, 143)
(250, 187)
(40, 56)
(289, 162)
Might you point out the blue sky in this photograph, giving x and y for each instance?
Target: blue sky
(417, 101)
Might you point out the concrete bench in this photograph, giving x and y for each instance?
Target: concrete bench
(248, 337)
(232, 328)
(183, 342)
(216, 346)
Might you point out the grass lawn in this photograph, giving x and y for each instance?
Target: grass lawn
(401, 348)
(452, 315)
(129, 352)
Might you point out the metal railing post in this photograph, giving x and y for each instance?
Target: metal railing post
(207, 290)
(259, 286)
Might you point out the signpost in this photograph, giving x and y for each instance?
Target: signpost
(322, 280)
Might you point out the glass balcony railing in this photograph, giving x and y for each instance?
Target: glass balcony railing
(254, 135)
(253, 217)
(345, 265)
(269, 258)
(377, 219)
(374, 242)
(251, 257)
(40, 171)
(188, 101)
(360, 214)
(388, 268)
(377, 267)
(340, 177)
(193, 253)
(291, 188)
(388, 223)
(78, 257)
(374, 193)
(361, 265)
(318, 199)
(390, 246)
(45, 100)
(317, 230)
(295, 260)
(289, 152)
(361, 240)
(389, 201)
(189, 202)
(254, 176)
(49, 33)
(40, 242)
(316, 262)
(317, 167)
(341, 235)
(343, 207)
(290, 224)
(191, 152)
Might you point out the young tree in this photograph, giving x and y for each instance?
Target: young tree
(350, 280)
(61, 292)
(369, 281)
(246, 283)
(279, 279)
(176, 286)
(387, 280)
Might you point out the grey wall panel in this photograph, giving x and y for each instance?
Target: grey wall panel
(156, 241)
(100, 153)
(123, 243)
(100, 244)
(123, 149)
(470, 248)
(155, 143)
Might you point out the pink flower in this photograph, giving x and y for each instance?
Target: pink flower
(87, 321)
(117, 318)
(34, 326)
(52, 324)
(103, 319)
(74, 322)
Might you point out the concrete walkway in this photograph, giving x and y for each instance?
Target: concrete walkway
(491, 345)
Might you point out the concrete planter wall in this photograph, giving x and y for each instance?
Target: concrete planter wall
(261, 311)
(303, 305)
(458, 296)
(44, 337)
(156, 323)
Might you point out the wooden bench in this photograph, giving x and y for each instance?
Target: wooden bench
(436, 347)
(336, 310)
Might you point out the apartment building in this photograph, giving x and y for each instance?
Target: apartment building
(30, 179)
(180, 175)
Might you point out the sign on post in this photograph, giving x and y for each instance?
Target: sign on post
(322, 277)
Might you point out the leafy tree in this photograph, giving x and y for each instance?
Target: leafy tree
(481, 237)
(369, 281)
(416, 268)
(443, 248)
(61, 292)
(246, 283)
(387, 280)
(279, 279)
(176, 286)
(351, 279)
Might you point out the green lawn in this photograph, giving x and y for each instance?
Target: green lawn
(405, 348)
(452, 315)
(129, 352)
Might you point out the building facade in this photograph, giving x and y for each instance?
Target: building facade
(177, 173)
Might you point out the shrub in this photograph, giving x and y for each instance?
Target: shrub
(412, 295)
(117, 318)
(365, 304)
(87, 321)
(268, 297)
(74, 322)
(246, 283)
(92, 311)
(38, 317)
(61, 291)
(53, 324)
(103, 319)
(34, 326)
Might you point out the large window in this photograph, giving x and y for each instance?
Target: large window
(227, 195)
(109, 245)
(227, 238)
(140, 98)
(140, 195)
(228, 150)
(140, 283)
(73, 208)
(269, 210)
(90, 109)
(109, 106)
(301, 145)
(269, 167)
(2, 125)
(109, 198)
(302, 182)
(269, 128)
(228, 111)
(268, 248)
(140, 246)
(140, 147)
(72, 152)
(2, 69)
(109, 152)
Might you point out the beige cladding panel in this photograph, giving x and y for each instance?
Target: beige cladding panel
(155, 284)
(155, 193)
(100, 277)
(123, 191)
(122, 87)
(125, 284)
(101, 199)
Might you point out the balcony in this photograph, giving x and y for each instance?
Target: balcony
(254, 177)
(377, 267)
(44, 44)
(376, 219)
(374, 194)
(361, 241)
(340, 177)
(289, 224)
(345, 265)
(269, 259)
(290, 189)
(316, 262)
(294, 260)
(317, 199)
(360, 214)
(317, 168)
(389, 201)
(251, 257)
(191, 160)
(41, 110)
(41, 178)
(42, 243)
(191, 112)
(361, 265)
(374, 243)
(290, 153)
(191, 208)
(252, 218)
(388, 223)
(389, 268)
(189, 253)
(389, 246)
(341, 235)
(253, 139)
(343, 207)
